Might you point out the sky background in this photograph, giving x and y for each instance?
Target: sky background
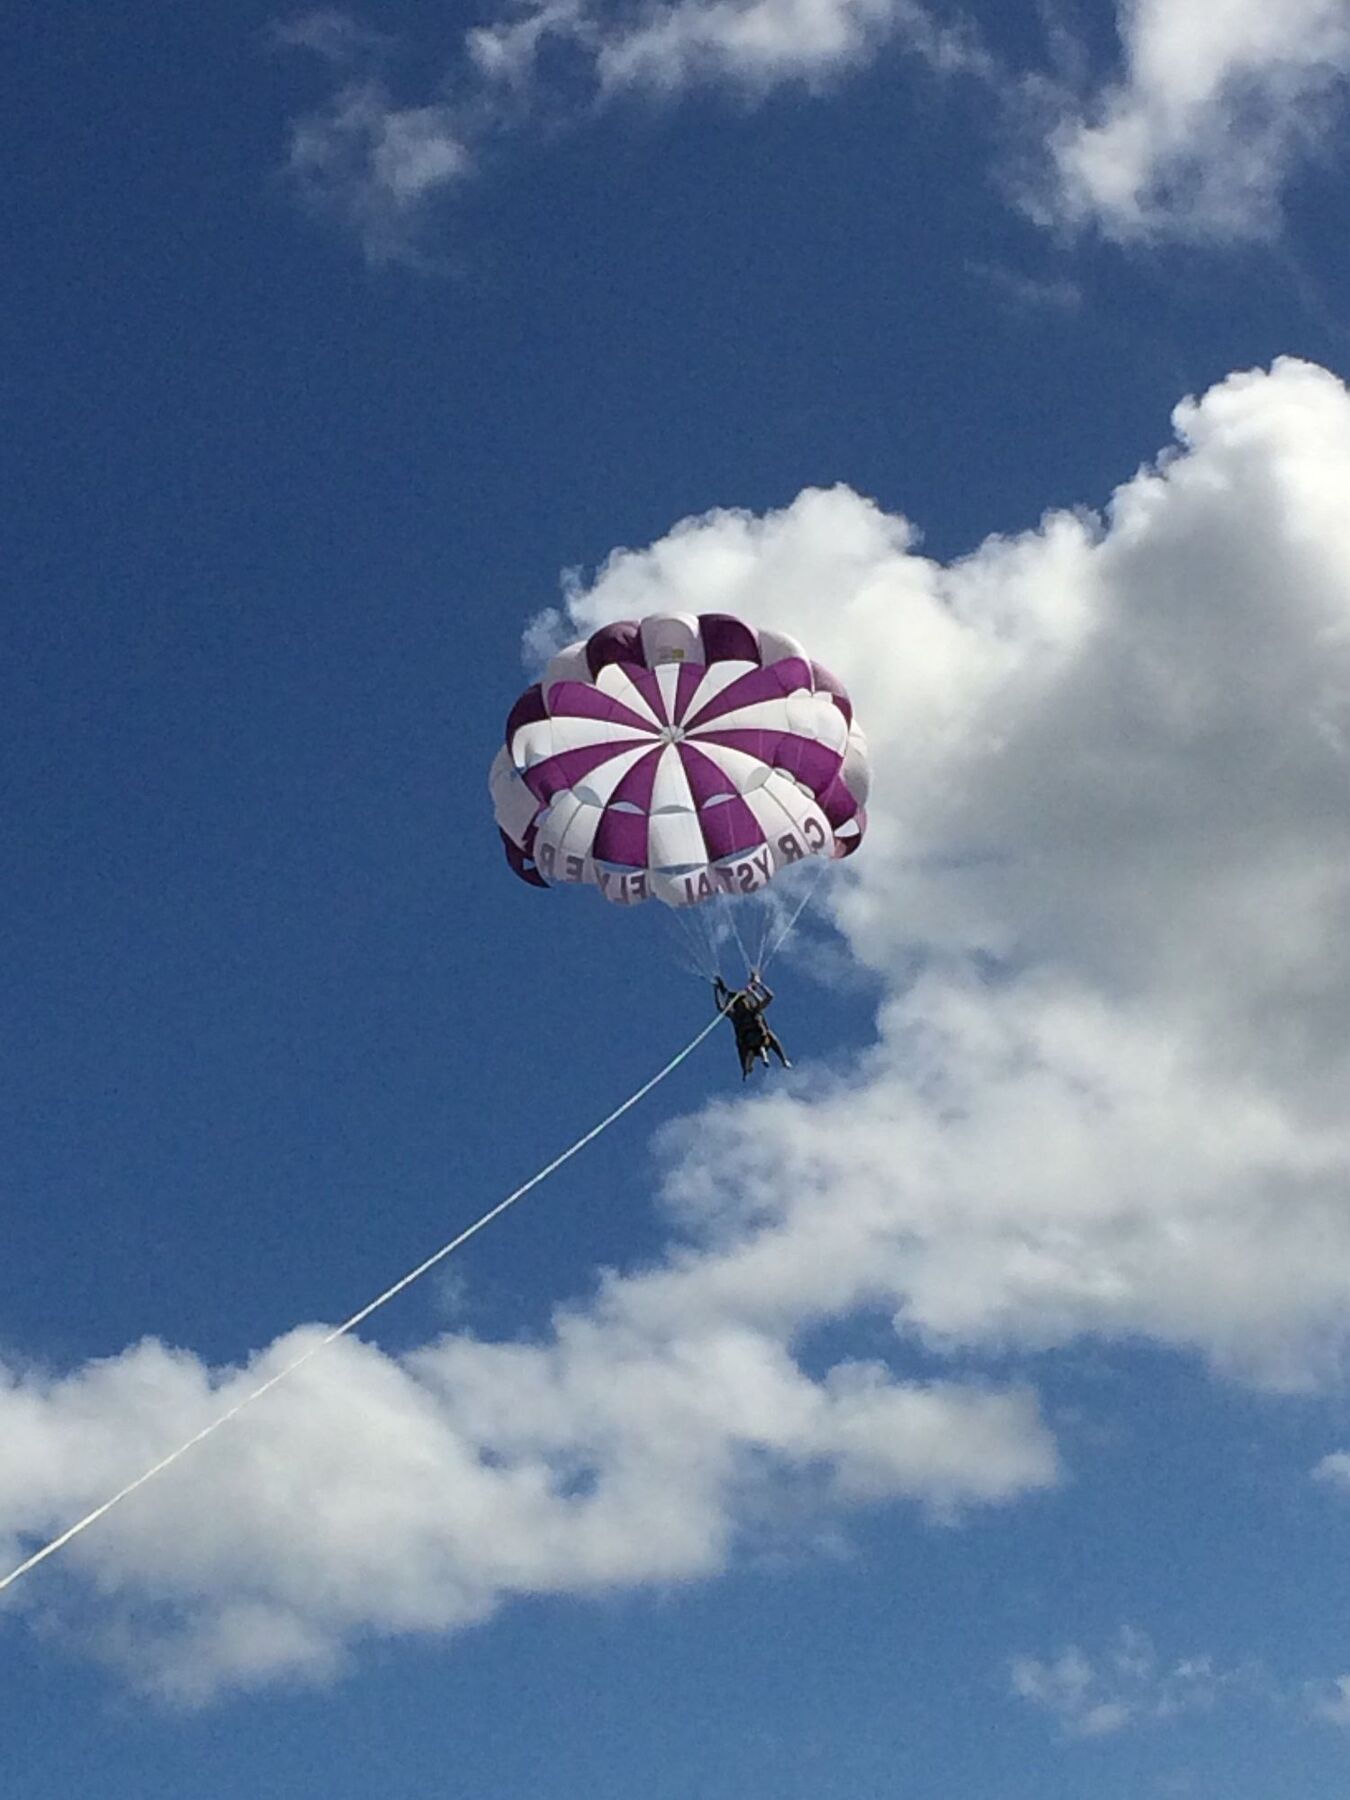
(966, 1414)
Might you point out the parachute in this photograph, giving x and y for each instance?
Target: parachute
(679, 758)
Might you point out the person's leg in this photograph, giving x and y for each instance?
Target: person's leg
(774, 1045)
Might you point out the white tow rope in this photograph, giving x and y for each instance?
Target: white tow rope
(358, 1318)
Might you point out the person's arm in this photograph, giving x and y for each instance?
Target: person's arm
(761, 987)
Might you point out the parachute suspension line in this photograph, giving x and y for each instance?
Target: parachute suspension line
(706, 922)
(703, 929)
(687, 951)
(766, 926)
(740, 942)
(695, 958)
(358, 1318)
(796, 914)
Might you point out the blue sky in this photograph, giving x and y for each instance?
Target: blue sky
(964, 1416)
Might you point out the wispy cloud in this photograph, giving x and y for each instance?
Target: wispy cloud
(1329, 1701)
(1025, 293)
(1124, 1685)
(1128, 1684)
(750, 44)
(508, 51)
(381, 167)
(333, 35)
(757, 44)
(377, 167)
(1335, 1470)
(1216, 108)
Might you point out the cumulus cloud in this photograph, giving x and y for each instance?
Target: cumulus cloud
(1125, 1685)
(1106, 901)
(1113, 839)
(1219, 102)
(374, 1495)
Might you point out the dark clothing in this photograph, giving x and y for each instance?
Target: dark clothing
(745, 1008)
(747, 1017)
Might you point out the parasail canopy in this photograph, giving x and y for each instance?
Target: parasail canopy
(678, 758)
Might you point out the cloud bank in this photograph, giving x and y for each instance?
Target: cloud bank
(1106, 901)
(1114, 844)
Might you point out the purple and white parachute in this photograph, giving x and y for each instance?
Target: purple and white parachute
(676, 759)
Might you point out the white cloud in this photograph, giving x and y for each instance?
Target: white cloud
(1334, 1469)
(1125, 1685)
(377, 167)
(759, 43)
(1219, 103)
(753, 44)
(1066, 1688)
(1027, 293)
(1221, 99)
(509, 50)
(1106, 896)
(1111, 757)
(371, 1495)
(1329, 1701)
